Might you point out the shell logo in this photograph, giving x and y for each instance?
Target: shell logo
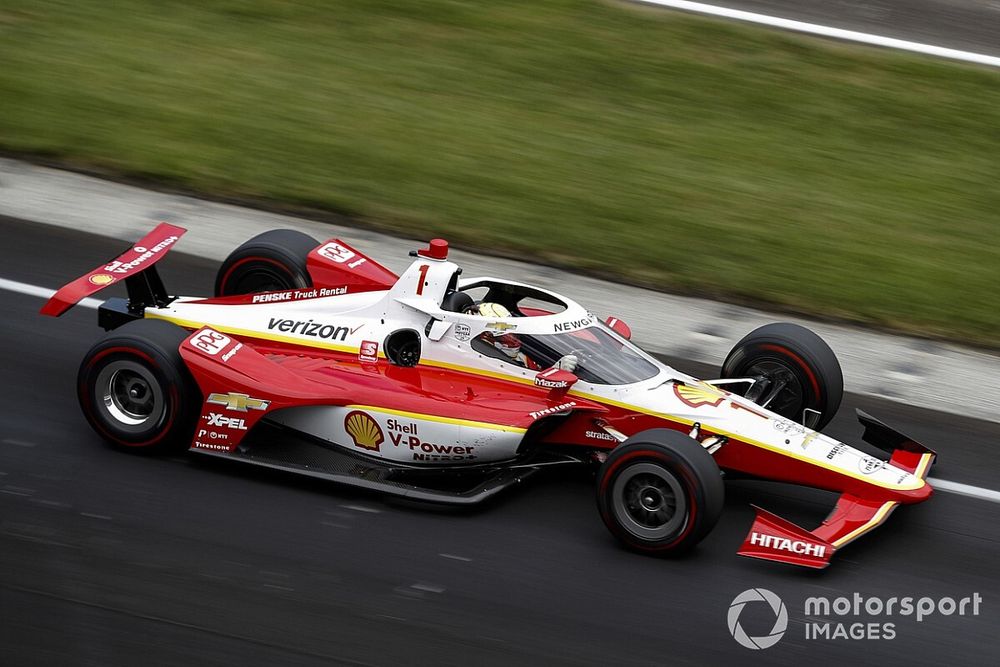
(699, 394)
(364, 430)
(101, 279)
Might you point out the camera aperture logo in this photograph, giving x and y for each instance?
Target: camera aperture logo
(777, 608)
(854, 617)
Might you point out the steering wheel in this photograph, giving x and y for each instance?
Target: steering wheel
(408, 354)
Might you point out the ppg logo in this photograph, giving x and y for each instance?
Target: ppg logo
(777, 608)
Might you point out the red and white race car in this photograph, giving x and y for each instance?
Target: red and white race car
(315, 359)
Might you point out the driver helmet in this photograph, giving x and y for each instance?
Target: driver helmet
(490, 309)
(509, 343)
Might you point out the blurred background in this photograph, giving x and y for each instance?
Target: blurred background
(668, 150)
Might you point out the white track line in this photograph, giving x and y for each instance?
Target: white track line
(43, 292)
(964, 489)
(939, 484)
(827, 31)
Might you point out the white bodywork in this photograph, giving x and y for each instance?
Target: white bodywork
(352, 323)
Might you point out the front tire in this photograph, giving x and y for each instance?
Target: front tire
(135, 390)
(795, 368)
(272, 261)
(660, 492)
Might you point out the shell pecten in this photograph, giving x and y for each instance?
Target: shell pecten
(364, 430)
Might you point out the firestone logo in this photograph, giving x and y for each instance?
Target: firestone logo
(777, 607)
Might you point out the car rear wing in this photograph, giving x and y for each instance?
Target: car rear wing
(134, 266)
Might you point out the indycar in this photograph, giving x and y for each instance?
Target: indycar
(315, 359)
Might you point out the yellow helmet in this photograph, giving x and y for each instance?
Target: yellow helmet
(488, 309)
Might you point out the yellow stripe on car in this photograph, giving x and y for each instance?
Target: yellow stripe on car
(876, 520)
(190, 324)
(439, 419)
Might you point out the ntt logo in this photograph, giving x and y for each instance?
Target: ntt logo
(777, 607)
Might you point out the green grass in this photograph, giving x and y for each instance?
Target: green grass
(676, 152)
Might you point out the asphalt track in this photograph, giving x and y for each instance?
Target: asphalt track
(970, 25)
(115, 559)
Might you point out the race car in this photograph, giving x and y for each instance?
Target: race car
(313, 358)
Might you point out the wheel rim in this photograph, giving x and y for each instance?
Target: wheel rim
(130, 397)
(778, 388)
(259, 278)
(648, 501)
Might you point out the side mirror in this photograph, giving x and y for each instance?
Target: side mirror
(619, 327)
(556, 379)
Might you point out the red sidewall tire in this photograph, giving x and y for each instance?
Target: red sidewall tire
(804, 354)
(146, 350)
(694, 472)
(274, 260)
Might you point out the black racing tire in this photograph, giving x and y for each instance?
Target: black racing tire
(660, 492)
(272, 261)
(135, 390)
(794, 361)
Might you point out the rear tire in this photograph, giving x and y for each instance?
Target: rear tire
(135, 390)
(799, 361)
(274, 260)
(660, 492)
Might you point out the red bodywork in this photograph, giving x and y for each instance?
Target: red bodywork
(322, 378)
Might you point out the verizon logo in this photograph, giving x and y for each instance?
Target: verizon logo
(785, 544)
(311, 328)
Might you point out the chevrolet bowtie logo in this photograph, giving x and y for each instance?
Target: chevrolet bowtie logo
(500, 326)
(239, 402)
